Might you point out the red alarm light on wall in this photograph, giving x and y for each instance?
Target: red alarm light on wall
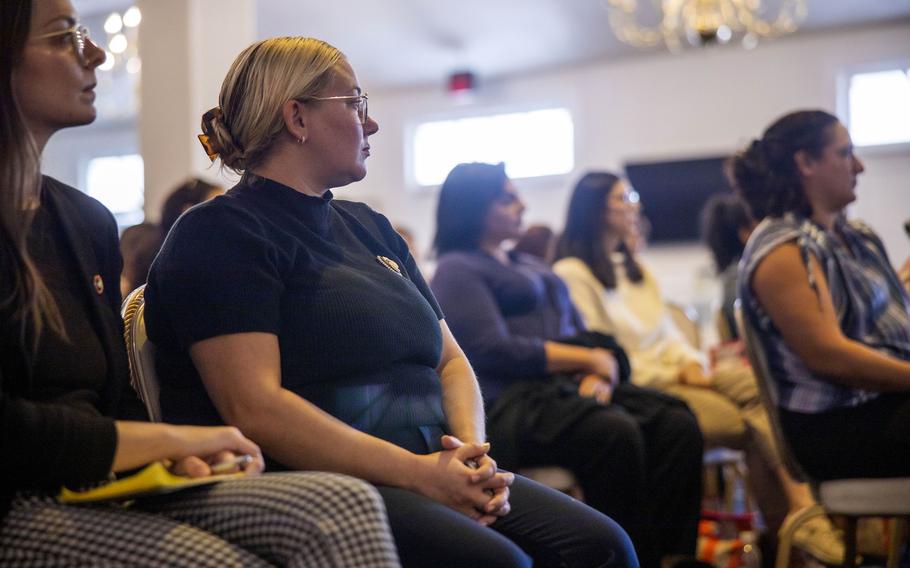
(461, 82)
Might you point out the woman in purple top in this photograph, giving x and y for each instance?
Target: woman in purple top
(554, 393)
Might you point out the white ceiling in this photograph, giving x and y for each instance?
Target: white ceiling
(401, 43)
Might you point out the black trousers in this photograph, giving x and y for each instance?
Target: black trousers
(870, 440)
(638, 460)
(544, 528)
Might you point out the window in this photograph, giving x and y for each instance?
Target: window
(879, 107)
(119, 183)
(532, 144)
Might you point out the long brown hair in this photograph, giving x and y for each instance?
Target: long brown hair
(24, 297)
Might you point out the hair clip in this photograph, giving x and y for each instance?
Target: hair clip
(204, 138)
(207, 146)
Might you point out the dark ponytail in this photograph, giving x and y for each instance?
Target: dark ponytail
(765, 174)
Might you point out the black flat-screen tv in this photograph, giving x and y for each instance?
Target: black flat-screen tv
(674, 192)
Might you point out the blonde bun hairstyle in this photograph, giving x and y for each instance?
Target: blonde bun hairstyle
(267, 74)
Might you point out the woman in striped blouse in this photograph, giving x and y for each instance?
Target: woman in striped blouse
(830, 310)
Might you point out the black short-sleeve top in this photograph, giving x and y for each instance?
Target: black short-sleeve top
(357, 325)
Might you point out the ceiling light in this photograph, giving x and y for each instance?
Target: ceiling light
(113, 23)
(132, 17)
(702, 22)
(133, 65)
(117, 44)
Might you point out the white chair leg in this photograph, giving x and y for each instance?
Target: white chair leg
(788, 529)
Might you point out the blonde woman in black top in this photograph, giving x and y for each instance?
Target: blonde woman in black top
(304, 320)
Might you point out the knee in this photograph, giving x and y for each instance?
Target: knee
(357, 497)
(604, 543)
(356, 492)
(685, 428)
(504, 555)
(327, 503)
(622, 434)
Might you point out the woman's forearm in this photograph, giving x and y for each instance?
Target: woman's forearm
(563, 358)
(302, 436)
(855, 365)
(242, 374)
(139, 443)
(461, 398)
(462, 401)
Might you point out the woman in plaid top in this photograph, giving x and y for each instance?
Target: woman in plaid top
(833, 317)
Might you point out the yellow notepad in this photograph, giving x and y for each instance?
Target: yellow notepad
(154, 479)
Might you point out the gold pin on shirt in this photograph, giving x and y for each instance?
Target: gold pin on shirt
(98, 283)
(389, 263)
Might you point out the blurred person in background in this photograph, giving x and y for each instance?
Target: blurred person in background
(537, 241)
(557, 395)
(140, 243)
(726, 226)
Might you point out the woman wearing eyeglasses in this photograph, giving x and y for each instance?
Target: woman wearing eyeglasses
(304, 320)
(830, 312)
(64, 372)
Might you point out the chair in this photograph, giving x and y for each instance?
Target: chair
(847, 499)
(724, 333)
(725, 481)
(686, 319)
(141, 352)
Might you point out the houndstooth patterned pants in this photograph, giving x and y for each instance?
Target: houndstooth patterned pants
(283, 519)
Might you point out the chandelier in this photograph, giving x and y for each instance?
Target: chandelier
(122, 46)
(701, 22)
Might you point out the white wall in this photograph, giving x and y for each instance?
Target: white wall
(656, 106)
(184, 61)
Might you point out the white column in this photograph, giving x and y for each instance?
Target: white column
(186, 47)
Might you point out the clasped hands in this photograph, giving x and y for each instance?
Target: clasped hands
(464, 477)
(693, 374)
(601, 376)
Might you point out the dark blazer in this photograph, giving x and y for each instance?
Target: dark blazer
(46, 445)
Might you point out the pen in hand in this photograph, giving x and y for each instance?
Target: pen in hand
(237, 462)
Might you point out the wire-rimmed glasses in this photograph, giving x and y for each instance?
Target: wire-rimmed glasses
(360, 100)
(78, 37)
